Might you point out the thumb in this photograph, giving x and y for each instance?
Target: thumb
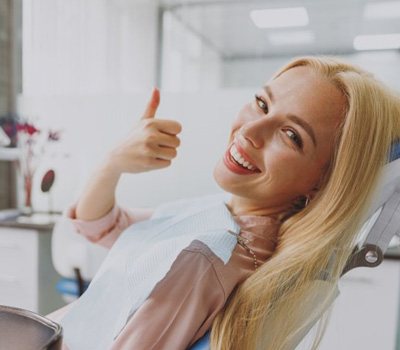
(152, 105)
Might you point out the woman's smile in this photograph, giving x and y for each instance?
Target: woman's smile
(238, 161)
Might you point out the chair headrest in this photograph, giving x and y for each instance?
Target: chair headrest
(390, 180)
(383, 219)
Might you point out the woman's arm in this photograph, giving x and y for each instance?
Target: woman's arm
(150, 145)
(98, 197)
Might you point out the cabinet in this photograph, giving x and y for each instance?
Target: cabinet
(27, 276)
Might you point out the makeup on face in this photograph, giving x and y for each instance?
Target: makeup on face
(238, 161)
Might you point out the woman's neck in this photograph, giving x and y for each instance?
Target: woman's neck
(239, 206)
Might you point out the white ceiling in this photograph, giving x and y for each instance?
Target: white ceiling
(226, 26)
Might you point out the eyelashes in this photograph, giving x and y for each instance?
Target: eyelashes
(296, 138)
(259, 100)
(292, 134)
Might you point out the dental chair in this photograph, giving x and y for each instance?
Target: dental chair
(78, 260)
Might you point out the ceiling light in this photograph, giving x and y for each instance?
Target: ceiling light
(292, 37)
(377, 42)
(380, 10)
(281, 17)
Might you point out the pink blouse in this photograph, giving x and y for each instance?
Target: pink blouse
(183, 305)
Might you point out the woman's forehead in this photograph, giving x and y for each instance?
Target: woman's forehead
(303, 92)
(308, 94)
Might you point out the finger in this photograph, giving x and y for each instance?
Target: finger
(152, 105)
(160, 163)
(170, 127)
(166, 153)
(165, 140)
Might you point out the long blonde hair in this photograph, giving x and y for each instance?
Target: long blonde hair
(265, 311)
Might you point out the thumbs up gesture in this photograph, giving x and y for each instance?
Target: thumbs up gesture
(150, 145)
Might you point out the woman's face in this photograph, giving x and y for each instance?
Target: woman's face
(286, 136)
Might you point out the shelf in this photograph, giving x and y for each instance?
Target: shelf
(9, 153)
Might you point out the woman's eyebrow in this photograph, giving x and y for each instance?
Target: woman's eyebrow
(268, 91)
(307, 127)
(294, 118)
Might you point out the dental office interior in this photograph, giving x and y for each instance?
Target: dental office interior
(75, 76)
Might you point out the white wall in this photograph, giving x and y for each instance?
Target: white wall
(385, 65)
(76, 54)
(188, 64)
(82, 47)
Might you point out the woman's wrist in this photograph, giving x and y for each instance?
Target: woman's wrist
(109, 168)
(99, 195)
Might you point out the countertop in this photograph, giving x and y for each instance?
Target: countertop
(41, 221)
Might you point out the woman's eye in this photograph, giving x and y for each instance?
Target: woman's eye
(292, 134)
(261, 103)
(296, 138)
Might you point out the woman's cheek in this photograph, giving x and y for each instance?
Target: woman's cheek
(280, 160)
(235, 126)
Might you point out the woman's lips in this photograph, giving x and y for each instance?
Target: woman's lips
(244, 155)
(235, 167)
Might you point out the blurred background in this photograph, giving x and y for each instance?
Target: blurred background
(76, 75)
(87, 68)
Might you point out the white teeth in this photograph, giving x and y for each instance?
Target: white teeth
(236, 155)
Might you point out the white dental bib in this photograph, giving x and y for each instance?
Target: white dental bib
(140, 258)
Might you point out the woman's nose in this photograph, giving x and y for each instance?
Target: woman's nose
(257, 132)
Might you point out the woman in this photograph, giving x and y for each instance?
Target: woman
(302, 160)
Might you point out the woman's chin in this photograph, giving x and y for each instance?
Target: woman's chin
(222, 177)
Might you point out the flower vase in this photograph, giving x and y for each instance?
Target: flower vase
(31, 142)
(28, 166)
(28, 208)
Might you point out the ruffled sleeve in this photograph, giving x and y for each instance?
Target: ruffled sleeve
(106, 230)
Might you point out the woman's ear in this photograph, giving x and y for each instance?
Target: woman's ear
(312, 193)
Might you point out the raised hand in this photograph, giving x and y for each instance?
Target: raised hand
(151, 143)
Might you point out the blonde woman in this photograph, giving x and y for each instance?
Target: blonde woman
(259, 314)
(301, 162)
